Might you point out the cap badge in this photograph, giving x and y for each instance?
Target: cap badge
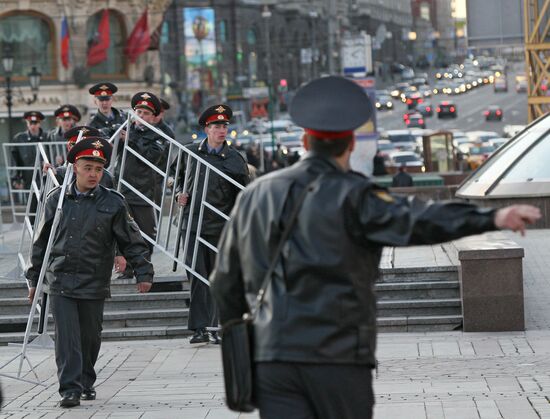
(103, 93)
(220, 117)
(145, 96)
(65, 109)
(33, 118)
(144, 102)
(220, 109)
(104, 87)
(97, 144)
(66, 114)
(84, 130)
(96, 153)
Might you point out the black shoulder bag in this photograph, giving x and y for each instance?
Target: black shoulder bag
(237, 335)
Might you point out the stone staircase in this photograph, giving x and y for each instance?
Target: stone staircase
(410, 299)
(419, 299)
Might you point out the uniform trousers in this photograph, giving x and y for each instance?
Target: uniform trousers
(78, 325)
(202, 308)
(313, 391)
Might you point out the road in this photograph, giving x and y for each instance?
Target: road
(470, 107)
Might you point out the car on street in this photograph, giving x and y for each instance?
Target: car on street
(415, 120)
(398, 89)
(439, 86)
(521, 83)
(426, 109)
(384, 102)
(409, 159)
(498, 142)
(477, 137)
(493, 113)
(402, 139)
(478, 153)
(425, 91)
(413, 100)
(500, 84)
(446, 108)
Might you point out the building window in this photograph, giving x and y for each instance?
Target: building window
(115, 64)
(30, 36)
(222, 31)
(251, 37)
(425, 11)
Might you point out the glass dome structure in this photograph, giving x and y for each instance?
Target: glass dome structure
(519, 168)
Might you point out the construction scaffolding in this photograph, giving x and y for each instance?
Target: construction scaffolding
(537, 60)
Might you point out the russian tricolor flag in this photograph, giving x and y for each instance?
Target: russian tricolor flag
(65, 42)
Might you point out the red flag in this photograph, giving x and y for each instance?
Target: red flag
(65, 39)
(139, 39)
(97, 51)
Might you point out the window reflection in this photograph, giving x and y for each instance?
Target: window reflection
(31, 39)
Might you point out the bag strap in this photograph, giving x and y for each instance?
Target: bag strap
(286, 233)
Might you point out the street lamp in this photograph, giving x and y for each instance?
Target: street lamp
(266, 15)
(7, 63)
(34, 81)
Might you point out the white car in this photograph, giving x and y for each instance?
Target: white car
(407, 158)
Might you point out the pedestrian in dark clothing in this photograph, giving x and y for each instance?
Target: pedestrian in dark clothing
(379, 166)
(94, 221)
(108, 118)
(222, 195)
(26, 156)
(402, 179)
(66, 117)
(152, 147)
(315, 334)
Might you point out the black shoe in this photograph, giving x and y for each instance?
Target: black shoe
(88, 394)
(200, 336)
(70, 400)
(215, 338)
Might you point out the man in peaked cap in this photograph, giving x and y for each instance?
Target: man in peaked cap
(66, 117)
(153, 147)
(25, 156)
(108, 118)
(222, 195)
(315, 334)
(94, 221)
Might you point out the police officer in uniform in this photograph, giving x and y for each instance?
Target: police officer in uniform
(315, 334)
(25, 156)
(71, 137)
(94, 221)
(66, 117)
(154, 148)
(220, 194)
(108, 118)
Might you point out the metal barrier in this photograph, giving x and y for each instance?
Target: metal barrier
(165, 212)
(56, 154)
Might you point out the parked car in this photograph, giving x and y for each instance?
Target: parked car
(446, 108)
(493, 113)
(426, 109)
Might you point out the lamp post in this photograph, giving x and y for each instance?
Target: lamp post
(266, 15)
(34, 81)
(7, 63)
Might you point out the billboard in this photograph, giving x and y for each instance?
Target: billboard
(200, 52)
(366, 136)
(493, 23)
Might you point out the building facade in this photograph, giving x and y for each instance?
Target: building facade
(32, 30)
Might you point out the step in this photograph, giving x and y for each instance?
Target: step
(417, 290)
(419, 323)
(111, 319)
(157, 300)
(126, 333)
(433, 307)
(431, 274)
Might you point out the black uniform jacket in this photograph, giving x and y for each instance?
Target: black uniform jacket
(105, 125)
(152, 147)
(26, 155)
(220, 193)
(321, 306)
(82, 256)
